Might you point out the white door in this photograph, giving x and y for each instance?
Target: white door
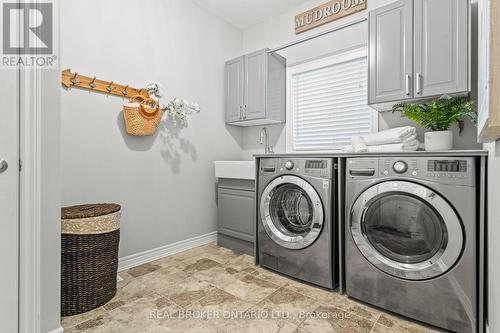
(9, 199)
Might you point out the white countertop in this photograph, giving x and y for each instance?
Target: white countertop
(444, 153)
(235, 169)
(246, 169)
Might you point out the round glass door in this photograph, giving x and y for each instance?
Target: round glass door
(291, 212)
(406, 230)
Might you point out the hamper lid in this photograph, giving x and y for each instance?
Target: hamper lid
(91, 210)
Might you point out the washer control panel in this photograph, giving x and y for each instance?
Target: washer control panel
(316, 167)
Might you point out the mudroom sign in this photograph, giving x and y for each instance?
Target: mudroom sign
(328, 12)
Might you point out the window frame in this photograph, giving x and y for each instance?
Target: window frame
(332, 59)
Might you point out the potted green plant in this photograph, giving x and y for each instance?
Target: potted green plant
(437, 116)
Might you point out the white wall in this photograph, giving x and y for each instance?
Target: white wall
(280, 30)
(165, 183)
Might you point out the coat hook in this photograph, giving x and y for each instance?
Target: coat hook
(73, 79)
(110, 88)
(125, 92)
(92, 84)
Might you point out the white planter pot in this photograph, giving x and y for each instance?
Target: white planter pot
(439, 140)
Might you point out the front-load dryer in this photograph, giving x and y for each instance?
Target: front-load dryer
(410, 239)
(296, 219)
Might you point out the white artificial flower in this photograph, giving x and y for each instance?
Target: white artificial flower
(180, 109)
(154, 90)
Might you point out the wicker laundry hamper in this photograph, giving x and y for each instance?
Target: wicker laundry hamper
(89, 258)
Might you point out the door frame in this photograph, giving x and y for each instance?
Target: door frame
(39, 290)
(29, 217)
(39, 199)
(9, 175)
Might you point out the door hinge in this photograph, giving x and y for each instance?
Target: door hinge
(20, 165)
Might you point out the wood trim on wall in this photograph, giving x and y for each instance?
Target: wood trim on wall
(494, 121)
(491, 129)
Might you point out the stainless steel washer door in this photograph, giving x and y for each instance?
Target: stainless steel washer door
(291, 212)
(406, 230)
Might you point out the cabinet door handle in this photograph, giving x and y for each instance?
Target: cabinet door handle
(408, 83)
(419, 83)
(241, 112)
(245, 113)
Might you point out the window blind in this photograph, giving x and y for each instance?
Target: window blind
(329, 105)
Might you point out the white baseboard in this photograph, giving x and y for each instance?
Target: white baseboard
(58, 330)
(164, 251)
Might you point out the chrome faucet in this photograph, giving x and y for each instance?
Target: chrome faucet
(264, 136)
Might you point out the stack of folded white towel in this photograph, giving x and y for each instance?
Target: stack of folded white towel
(394, 139)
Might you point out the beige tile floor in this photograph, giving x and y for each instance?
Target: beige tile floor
(212, 289)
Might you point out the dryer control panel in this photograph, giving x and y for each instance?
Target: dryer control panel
(455, 171)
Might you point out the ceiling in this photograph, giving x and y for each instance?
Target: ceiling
(244, 14)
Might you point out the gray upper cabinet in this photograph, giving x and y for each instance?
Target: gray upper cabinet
(418, 49)
(255, 85)
(391, 52)
(256, 89)
(234, 87)
(441, 41)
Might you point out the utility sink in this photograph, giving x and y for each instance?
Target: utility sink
(235, 169)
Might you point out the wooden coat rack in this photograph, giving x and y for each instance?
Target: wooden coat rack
(70, 79)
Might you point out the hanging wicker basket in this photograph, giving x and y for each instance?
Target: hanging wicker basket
(142, 118)
(89, 258)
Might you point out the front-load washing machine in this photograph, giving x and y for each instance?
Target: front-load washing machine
(296, 219)
(410, 238)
